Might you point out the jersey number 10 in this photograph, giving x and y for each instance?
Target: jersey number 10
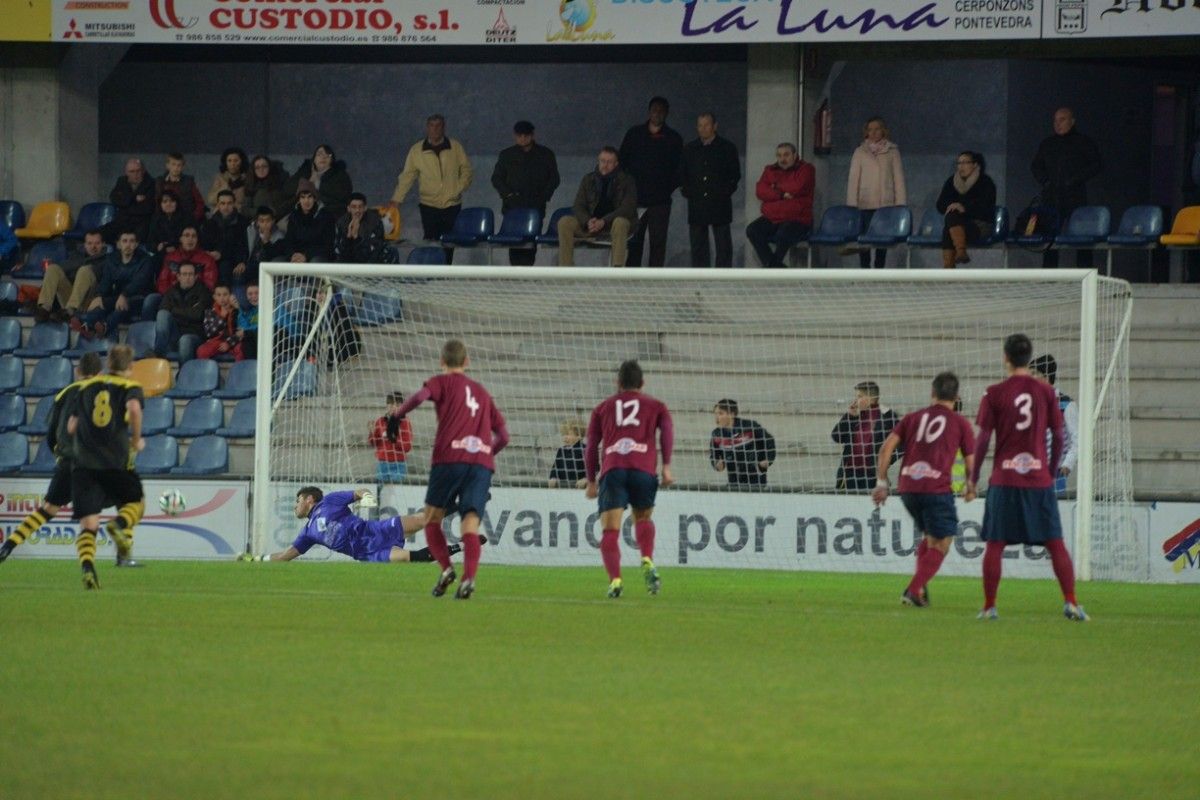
(930, 431)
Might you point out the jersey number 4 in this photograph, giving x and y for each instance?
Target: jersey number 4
(627, 413)
(472, 403)
(930, 431)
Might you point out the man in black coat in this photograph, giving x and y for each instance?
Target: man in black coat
(223, 235)
(650, 152)
(133, 195)
(1064, 163)
(861, 431)
(741, 448)
(525, 176)
(708, 177)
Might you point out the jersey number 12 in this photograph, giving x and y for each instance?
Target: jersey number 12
(627, 413)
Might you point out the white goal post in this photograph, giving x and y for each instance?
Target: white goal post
(789, 345)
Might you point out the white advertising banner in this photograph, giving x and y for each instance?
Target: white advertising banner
(1175, 542)
(213, 526)
(575, 22)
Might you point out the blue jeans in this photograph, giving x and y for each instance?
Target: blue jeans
(113, 318)
(167, 337)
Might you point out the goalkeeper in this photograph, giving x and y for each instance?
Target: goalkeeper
(330, 523)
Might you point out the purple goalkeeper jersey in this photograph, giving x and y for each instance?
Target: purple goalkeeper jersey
(331, 524)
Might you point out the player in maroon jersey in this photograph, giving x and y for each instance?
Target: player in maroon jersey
(621, 449)
(932, 439)
(1021, 507)
(470, 432)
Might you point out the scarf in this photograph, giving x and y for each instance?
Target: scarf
(963, 185)
(315, 176)
(882, 146)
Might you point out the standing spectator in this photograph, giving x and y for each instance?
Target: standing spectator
(358, 235)
(440, 168)
(650, 152)
(189, 251)
(309, 234)
(126, 277)
(862, 431)
(1064, 163)
(390, 464)
(741, 448)
(220, 327)
(968, 200)
(191, 202)
(231, 175)
(329, 177)
(1045, 369)
(605, 203)
(223, 236)
(709, 175)
(786, 191)
(73, 283)
(569, 469)
(179, 325)
(134, 197)
(876, 181)
(266, 185)
(525, 176)
(264, 242)
(166, 226)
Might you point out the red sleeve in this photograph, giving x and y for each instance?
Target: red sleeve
(966, 436)
(763, 189)
(165, 278)
(209, 276)
(378, 431)
(984, 421)
(901, 430)
(405, 436)
(666, 436)
(591, 454)
(499, 430)
(413, 401)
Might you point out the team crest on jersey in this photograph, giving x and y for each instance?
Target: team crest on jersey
(472, 444)
(625, 446)
(920, 471)
(1022, 463)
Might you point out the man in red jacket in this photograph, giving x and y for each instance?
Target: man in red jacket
(786, 192)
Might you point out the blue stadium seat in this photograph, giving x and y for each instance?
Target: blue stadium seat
(1139, 229)
(241, 421)
(54, 250)
(92, 215)
(929, 232)
(302, 385)
(426, 255)
(999, 228)
(40, 424)
(241, 381)
(839, 225)
(158, 414)
(45, 339)
(140, 337)
(202, 415)
(890, 226)
(379, 309)
(12, 412)
(10, 334)
(1087, 226)
(12, 214)
(9, 292)
(207, 455)
(471, 228)
(519, 227)
(84, 345)
(49, 377)
(160, 455)
(196, 378)
(14, 451)
(43, 463)
(550, 237)
(12, 373)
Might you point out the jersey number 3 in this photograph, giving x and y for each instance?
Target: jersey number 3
(102, 409)
(1024, 404)
(627, 413)
(472, 403)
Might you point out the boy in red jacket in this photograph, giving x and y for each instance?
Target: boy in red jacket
(389, 453)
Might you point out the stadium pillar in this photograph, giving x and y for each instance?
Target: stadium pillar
(83, 69)
(774, 83)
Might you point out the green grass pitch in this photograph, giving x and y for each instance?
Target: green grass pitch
(187, 680)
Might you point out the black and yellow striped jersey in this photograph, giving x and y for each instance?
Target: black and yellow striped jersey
(102, 433)
(62, 444)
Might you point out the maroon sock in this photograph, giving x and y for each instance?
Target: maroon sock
(610, 551)
(1060, 559)
(993, 562)
(470, 551)
(922, 546)
(927, 567)
(437, 544)
(644, 530)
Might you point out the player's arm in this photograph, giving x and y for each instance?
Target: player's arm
(766, 449)
(880, 493)
(1071, 438)
(591, 455)
(969, 492)
(282, 555)
(666, 441)
(414, 400)
(1057, 441)
(499, 431)
(133, 413)
(714, 457)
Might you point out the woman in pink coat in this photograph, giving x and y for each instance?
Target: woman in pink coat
(876, 180)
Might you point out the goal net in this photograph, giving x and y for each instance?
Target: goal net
(789, 347)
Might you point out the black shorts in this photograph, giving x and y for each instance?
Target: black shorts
(461, 487)
(933, 514)
(1014, 515)
(58, 493)
(93, 490)
(627, 487)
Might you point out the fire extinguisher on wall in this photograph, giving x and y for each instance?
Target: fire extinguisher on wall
(823, 129)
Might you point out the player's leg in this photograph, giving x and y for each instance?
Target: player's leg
(998, 521)
(643, 489)
(58, 494)
(87, 501)
(1042, 510)
(472, 504)
(442, 490)
(939, 524)
(130, 501)
(613, 497)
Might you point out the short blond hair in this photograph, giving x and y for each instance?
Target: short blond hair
(454, 354)
(572, 427)
(120, 358)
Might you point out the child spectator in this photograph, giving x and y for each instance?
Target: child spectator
(247, 323)
(390, 450)
(568, 461)
(220, 327)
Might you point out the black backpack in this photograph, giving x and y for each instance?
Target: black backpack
(1037, 220)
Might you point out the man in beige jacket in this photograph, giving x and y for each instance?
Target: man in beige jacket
(443, 172)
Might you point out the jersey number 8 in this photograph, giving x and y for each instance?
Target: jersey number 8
(102, 409)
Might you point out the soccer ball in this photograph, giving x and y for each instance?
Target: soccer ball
(172, 502)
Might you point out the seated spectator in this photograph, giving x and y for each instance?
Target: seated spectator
(329, 178)
(390, 466)
(266, 185)
(358, 235)
(343, 338)
(264, 242)
(126, 277)
(247, 323)
(309, 234)
(220, 327)
(72, 284)
(968, 200)
(605, 203)
(786, 192)
(191, 202)
(10, 246)
(134, 196)
(180, 321)
(223, 235)
(189, 251)
(741, 448)
(165, 226)
(861, 431)
(568, 470)
(231, 176)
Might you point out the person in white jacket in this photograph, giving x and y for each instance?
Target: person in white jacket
(876, 180)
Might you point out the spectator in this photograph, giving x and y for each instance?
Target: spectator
(231, 175)
(862, 431)
(309, 234)
(191, 202)
(10, 246)
(1064, 163)
(126, 277)
(390, 466)
(220, 327)
(442, 171)
(741, 448)
(709, 175)
(166, 225)
(329, 177)
(264, 241)
(179, 325)
(358, 235)
(605, 203)
(650, 153)
(223, 236)
(189, 251)
(73, 283)
(343, 340)
(968, 200)
(525, 176)
(266, 185)
(1045, 369)
(569, 469)
(134, 197)
(786, 191)
(876, 181)
(247, 324)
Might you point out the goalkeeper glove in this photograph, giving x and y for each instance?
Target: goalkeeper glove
(367, 500)
(252, 557)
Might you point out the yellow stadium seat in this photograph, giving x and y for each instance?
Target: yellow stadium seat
(1186, 230)
(154, 374)
(391, 219)
(46, 221)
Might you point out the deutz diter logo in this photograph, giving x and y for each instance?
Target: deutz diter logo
(1182, 550)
